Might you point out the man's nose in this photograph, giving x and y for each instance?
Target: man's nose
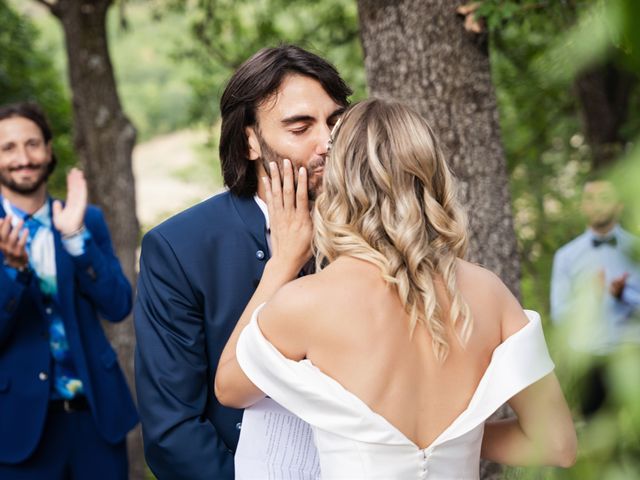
(324, 136)
(22, 157)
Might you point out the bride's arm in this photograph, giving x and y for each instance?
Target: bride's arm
(291, 231)
(542, 432)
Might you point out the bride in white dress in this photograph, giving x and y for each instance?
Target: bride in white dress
(397, 351)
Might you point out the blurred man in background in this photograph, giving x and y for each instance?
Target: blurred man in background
(595, 284)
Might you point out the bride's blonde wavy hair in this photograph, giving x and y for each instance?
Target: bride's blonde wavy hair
(389, 198)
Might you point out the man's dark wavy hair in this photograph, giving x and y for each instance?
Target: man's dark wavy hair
(256, 80)
(31, 111)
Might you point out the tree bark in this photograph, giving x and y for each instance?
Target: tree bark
(104, 139)
(418, 52)
(604, 92)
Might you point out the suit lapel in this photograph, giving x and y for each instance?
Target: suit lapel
(253, 218)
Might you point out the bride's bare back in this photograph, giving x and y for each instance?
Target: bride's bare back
(356, 331)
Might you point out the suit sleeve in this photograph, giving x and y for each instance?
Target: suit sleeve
(171, 371)
(98, 272)
(631, 292)
(11, 292)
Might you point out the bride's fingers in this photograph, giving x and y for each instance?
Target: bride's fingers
(288, 190)
(276, 186)
(302, 195)
(268, 195)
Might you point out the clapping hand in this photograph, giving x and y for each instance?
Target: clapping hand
(617, 285)
(289, 217)
(70, 218)
(13, 241)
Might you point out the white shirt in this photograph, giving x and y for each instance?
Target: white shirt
(265, 212)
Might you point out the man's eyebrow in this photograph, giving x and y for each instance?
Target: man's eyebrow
(297, 118)
(308, 118)
(338, 111)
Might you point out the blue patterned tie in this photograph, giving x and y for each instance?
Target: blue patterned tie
(32, 225)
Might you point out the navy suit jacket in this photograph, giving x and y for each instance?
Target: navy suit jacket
(90, 284)
(198, 271)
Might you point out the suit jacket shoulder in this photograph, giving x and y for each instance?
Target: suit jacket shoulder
(223, 215)
(209, 215)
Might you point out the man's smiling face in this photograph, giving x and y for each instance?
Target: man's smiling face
(25, 158)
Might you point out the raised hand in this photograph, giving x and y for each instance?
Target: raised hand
(13, 241)
(70, 218)
(289, 217)
(617, 285)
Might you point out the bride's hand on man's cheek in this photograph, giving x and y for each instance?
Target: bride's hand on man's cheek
(289, 216)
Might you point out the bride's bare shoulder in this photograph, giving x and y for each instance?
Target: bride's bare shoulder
(486, 291)
(287, 319)
(468, 273)
(339, 282)
(300, 297)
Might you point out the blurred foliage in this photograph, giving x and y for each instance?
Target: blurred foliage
(538, 49)
(153, 87)
(227, 32)
(28, 74)
(534, 70)
(546, 154)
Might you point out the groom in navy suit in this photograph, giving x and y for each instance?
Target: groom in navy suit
(65, 408)
(199, 269)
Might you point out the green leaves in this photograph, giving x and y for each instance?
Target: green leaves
(227, 32)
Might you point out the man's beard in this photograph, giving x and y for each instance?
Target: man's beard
(603, 221)
(25, 188)
(314, 184)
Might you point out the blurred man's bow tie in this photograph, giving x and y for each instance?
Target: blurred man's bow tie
(611, 241)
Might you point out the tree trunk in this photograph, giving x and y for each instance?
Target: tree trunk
(418, 52)
(104, 140)
(604, 93)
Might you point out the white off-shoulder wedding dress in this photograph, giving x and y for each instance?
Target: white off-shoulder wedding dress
(354, 442)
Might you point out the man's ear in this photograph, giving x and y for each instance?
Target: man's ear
(254, 145)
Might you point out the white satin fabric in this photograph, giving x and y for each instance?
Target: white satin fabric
(354, 442)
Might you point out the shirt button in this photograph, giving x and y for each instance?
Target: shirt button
(238, 425)
(43, 376)
(260, 255)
